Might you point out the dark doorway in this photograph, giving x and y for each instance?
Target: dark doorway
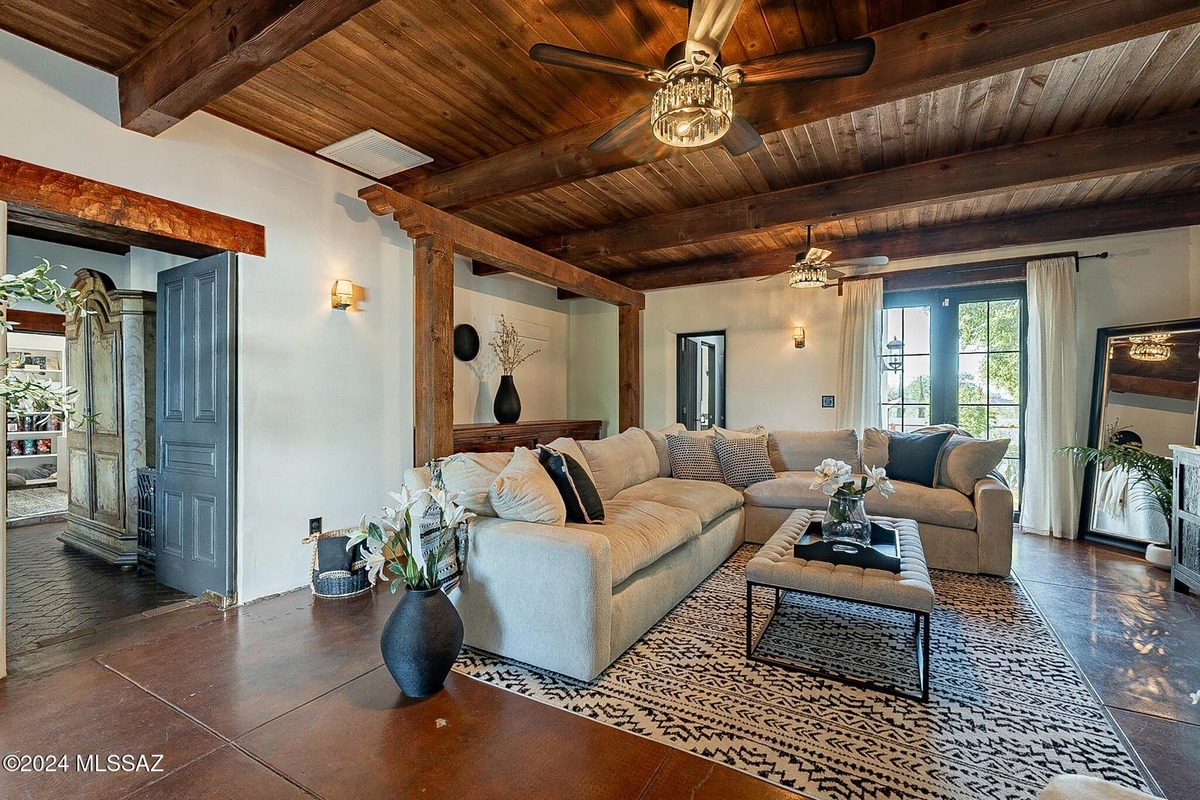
(700, 382)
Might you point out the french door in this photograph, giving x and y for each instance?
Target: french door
(963, 362)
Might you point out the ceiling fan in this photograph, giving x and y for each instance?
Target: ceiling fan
(812, 268)
(694, 105)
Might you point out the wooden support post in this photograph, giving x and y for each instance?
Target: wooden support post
(433, 347)
(629, 369)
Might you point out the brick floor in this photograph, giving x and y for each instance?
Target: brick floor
(56, 592)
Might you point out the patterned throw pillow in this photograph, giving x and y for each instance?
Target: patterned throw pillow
(577, 489)
(694, 458)
(744, 460)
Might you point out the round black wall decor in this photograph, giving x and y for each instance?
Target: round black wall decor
(466, 342)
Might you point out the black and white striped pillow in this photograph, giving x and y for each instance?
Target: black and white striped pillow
(693, 458)
(744, 461)
(575, 485)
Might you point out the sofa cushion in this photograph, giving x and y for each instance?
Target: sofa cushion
(707, 499)
(744, 461)
(740, 433)
(524, 492)
(965, 460)
(947, 507)
(804, 450)
(694, 458)
(620, 461)
(914, 456)
(788, 490)
(470, 475)
(659, 439)
(574, 486)
(640, 532)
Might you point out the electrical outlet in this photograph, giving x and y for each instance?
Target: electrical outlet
(314, 526)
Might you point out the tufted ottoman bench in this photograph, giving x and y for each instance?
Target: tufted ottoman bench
(775, 567)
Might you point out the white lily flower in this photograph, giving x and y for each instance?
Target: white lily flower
(414, 546)
(441, 498)
(373, 552)
(405, 497)
(456, 515)
(359, 535)
(831, 474)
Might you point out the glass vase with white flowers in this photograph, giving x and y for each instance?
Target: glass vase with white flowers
(845, 521)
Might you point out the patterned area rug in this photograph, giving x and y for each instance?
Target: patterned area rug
(1008, 707)
(36, 502)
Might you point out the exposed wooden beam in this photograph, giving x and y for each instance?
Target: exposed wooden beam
(69, 197)
(966, 42)
(481, 244)
(433, 358)
(629, 367)
(482, 270)
(1127, 216)
(216, 47)
(1087, 154)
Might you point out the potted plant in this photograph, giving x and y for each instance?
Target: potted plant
(845, 523)
(509, 348)
(423, 636)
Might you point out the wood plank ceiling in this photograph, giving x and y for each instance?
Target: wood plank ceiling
(452, 79)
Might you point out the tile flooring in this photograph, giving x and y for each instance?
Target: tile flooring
(286, 698)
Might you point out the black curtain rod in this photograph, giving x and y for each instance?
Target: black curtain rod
(1078, 258)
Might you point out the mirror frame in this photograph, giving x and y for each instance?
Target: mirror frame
(1099, 390)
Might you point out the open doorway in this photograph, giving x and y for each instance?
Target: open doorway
(700, 380)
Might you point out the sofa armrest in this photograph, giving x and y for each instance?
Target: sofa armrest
(994, 526)
(538, 593)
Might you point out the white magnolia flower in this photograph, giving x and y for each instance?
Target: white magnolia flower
(877, 477)
(373, 552)
(831, 474)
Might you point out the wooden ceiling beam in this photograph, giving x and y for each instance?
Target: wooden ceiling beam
(213, 49)
(62, 198)
(481, 244)
(966, 42)
(1094, 153)
(1040, 227)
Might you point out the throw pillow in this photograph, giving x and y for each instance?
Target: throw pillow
(576, 488)
(740, 433)
(659, 440)
(965, 460)
(913, 457)
(744, 460)
(694, 458)
(565, 444)
(620, 461)
(470, 477)
(874, 447)
(525, 493)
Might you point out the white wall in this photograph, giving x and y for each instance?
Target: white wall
(542, 380)
(25, 254)
(1149, 277)
(325, 409)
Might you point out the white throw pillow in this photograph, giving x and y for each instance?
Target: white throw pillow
(470, 476)
(659, 439)
(964, 461)
(524, 492)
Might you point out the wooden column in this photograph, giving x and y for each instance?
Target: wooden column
(629, 369)
(433, 347)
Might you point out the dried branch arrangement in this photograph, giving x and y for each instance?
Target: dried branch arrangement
(509, 348)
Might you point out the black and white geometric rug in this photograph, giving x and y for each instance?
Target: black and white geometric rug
(1008, 708)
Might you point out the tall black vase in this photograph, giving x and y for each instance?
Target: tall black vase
(420, 641)
(507, 406)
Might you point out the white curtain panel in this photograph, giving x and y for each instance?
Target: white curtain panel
(862, 334)
(1050, 493)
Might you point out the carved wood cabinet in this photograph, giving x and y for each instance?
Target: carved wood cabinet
(110, 361)
(1185, 519)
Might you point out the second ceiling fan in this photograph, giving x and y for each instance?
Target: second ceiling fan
(694, 105)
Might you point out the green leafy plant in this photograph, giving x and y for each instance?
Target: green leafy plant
(1156, 473)
(394, 544)
(20, 392)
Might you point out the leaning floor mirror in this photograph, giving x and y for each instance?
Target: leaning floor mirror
(1147, 385)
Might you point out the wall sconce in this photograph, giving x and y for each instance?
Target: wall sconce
(798, 337)
(894, 359)
(343, 294)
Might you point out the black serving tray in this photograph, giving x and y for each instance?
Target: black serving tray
(883, 553)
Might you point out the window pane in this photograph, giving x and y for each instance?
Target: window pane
(1004, 378)
(1005, 325)
(972, 378)
(1010, 469)
(972, 327)
(915, 417)
(973, 420)
(890, 386)
(916, 379)
(916, 330)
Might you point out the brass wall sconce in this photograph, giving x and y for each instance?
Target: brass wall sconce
(798, 337)
(343, 294)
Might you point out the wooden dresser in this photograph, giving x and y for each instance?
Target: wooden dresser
(500, 438)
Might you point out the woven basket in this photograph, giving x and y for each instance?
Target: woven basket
(331, 583)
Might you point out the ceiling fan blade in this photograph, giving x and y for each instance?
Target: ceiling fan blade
(816, 255)
(578, 59)
(709, 23)
(837, 60)
(622, 132)
(867, 261)
(833, 274)
(741, 137)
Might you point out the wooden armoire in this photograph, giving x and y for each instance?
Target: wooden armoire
(110, 361)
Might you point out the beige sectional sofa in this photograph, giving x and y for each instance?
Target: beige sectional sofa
(572, 597)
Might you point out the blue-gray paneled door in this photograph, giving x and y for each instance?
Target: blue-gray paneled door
(194, 402)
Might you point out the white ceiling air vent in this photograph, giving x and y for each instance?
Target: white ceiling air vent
(374, 154)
